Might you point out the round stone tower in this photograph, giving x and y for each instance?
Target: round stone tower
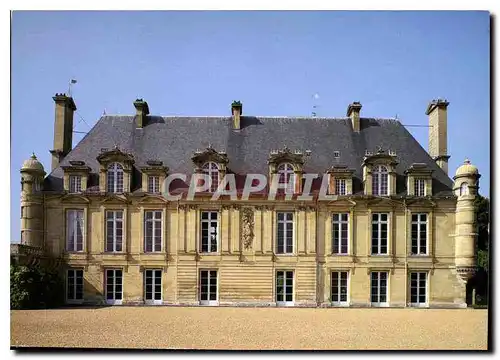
(32, 174)
(466, 184)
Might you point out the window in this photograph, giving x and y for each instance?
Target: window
(378, 296)
(419, 234)
(153, 184)
(152, 231)
(114, 286)
(208, 287)
(285, 233)
(286, 175)
(212, 170)
(379, 234)
(336, 154)
(340, 188)
(380, 179)
(418, 288)
(75, 183)
(74, 230)
(209, 231)
(74, 285)
(284, 287)
(419, 187)
(114, 230)
(340, 233)
(464, 189)
(339, 288)
(36, 185)
(115, 178)
(152, 286)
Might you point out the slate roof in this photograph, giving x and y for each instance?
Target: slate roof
(174, 140)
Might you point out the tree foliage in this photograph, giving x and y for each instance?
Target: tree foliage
(480, 279)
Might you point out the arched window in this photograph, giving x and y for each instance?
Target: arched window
(380, 179)
(287, 176)
(464, 189)
(212, 170)
(115, 178)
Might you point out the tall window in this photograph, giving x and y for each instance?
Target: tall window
(114, 230)
(286, 175)
(340, 233)
(284, 287)
(379, 234)
(114, 286)
(378, 293)
(74, 285)
(339, 287)
(212, 170)
(115, 178)
(418, 288)
(37, 185)
(285, 233)
(380, 179)
(75, 183)
(419, 234)
(74, 230)
(464, 189)
(152, 230)
(152, 286)
(419, 186)
(340, 188)
(208, 287)
(209, 231)
(153, 184)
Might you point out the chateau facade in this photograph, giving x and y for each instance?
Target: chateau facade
(381, 224)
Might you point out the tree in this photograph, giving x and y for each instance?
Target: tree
(480, 279)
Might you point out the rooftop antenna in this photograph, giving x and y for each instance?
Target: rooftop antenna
(72, 81)
(315, 106)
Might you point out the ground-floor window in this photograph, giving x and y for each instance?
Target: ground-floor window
(74, 285)
(418, 289)
(378, 295)
(152, 286)
(208, 287)
(284, 287)
(339, 288)
(114, 286)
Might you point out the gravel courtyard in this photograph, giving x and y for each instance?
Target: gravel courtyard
(250, 328)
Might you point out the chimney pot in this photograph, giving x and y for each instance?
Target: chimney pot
(353, 111)
(236, 111)
(142, 110)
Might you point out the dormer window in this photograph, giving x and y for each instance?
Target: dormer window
(419, 186)
(212, 170)
(153, 184)
(76, 176)
(286, 175)
(419, 180)
(464, 189)
(115, 178)
(340, 186)
(380, 180)
(75, 183)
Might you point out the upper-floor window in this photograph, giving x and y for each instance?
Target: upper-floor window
(380, 180)
(115, 178)
(340, 188)
(37, 185)
(284, 234)
(419, 187)
(74, 230)
(379, 233)
(114, 230)
(464, 189)
(75, 183)
(419, 234)
(152, 230)
(212, 170)
(153, 184)
(286, 175)
(340, 233)
(209, 231)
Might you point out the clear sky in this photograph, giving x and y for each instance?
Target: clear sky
(196, 63)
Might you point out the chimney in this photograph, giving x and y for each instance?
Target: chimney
(142, 110)
(63, 128)
(438, 132)
(236, 111)
(353, 113)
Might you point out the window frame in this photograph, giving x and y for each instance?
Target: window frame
(418, 222)
(418, 288)
(419, 188)
(153, 301)
(343, 225)
(212, 169)
(75, 184)
(464, 189)
(154, 184)
(338, 275)
(74, 299)
(379, 280)
(379, 239)
(380, 177)
(72, 223)
(115, 219)
(285, 286)
(286, 175)
(339, 188)
(208, 301)
(210, 221)
(113, 301)
(154, 220)
(118, 178)
(283, 223)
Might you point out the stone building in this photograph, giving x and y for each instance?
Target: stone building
(393, 229)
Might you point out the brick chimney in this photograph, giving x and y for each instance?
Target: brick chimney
(63, 128)
(438, 132)
(236, 111)
(353, 111)
(142, 110)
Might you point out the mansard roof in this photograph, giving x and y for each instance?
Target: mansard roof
(174, 140)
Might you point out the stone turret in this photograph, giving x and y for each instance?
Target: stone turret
(32, 174)
(466, 184)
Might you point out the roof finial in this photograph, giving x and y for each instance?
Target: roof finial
(33, 156)
(467, 161)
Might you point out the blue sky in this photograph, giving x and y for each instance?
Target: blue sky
(196, 63)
